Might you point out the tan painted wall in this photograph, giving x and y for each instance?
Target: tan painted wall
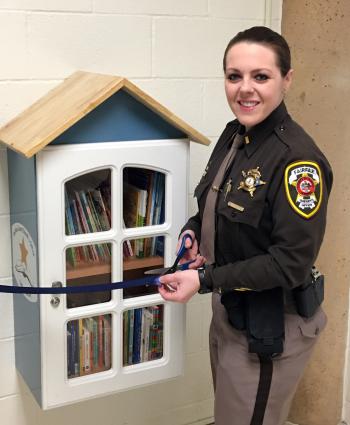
(319, 36)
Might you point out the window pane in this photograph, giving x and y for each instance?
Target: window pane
(88, 265)
(88, 203)
(140, 255)
(143, 197)
(89, 348)
(142, 334)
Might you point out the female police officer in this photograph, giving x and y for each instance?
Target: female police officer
(261, 218)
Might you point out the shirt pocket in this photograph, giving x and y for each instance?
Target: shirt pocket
(241, 208)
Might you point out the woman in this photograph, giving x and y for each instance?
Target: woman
(261, 218)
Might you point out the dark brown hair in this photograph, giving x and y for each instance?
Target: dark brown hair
(267, 37)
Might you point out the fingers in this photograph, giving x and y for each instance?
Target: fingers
(185, 283)
(168, 295)
(200, 260)
(169, 278)
(188, 242)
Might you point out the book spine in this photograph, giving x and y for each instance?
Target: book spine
(100, 342)
(107, 342)
(131, 335)
(70, 357)
(86, 348)
(75, 347)
(126, 326)
(136, 358)
(81, 347)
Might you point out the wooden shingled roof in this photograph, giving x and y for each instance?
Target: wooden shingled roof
(66, 104)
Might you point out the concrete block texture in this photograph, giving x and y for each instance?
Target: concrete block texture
(44, 5)
(172, 50)
(17, 96)
(152, 7)
(6, 308)
(60, 44)
(216, 111)
(8, 377)
(13, 45)
(184, 97)
(192, 47)
(237, 9)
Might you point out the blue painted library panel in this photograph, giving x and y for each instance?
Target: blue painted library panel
(119, 118)
(23, 210)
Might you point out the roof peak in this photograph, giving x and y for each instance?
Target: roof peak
(69, 102)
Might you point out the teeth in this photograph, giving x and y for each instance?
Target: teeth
(248, 103)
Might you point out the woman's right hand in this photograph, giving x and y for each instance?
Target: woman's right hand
(191, 252)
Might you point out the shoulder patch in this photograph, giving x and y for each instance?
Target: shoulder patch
(303, 184)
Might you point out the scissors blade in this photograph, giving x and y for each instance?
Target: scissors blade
(160, 271)
(166, 270)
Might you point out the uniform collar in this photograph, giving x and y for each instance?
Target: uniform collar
(255, 136)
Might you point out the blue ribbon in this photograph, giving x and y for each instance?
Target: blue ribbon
(148, 281)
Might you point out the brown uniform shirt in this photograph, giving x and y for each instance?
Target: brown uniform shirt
(271, 210)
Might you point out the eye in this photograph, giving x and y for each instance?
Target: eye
(261, 77)
(233, 77)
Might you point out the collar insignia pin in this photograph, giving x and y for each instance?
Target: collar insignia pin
(252, 179)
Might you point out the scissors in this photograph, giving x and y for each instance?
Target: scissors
(176, 266)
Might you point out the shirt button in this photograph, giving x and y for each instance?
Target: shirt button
(282, 128)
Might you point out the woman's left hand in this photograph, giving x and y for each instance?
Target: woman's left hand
(184, 283)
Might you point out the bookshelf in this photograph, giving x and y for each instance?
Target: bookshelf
(112, 340)
(98, 194)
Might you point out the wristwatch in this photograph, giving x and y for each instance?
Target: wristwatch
(203, 288)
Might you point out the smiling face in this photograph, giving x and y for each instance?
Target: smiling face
(254, 84)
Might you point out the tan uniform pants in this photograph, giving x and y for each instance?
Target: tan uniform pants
(236, 372)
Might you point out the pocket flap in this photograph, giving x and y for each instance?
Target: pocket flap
(242, 210)
(311, 328)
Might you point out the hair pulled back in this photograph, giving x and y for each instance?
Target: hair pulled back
(268, 38)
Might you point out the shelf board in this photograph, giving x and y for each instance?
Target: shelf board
(132, 263)
(88, 269)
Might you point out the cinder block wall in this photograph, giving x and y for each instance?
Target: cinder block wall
(173, 50)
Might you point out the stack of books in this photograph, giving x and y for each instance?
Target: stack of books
(88, 345)
(143, 205)
(142, 335)
(88, 211)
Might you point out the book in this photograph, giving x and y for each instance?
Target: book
(126, 325)
(136, 354)
(131, 195)
(81, 347)
(86, 347)
(100, 341)
(107, 341)
(147, 324)
(101, 209)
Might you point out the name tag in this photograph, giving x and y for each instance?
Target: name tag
(235, 206)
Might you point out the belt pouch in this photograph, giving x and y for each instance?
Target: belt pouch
(234, 303)
(309, 296)
(265, 321)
